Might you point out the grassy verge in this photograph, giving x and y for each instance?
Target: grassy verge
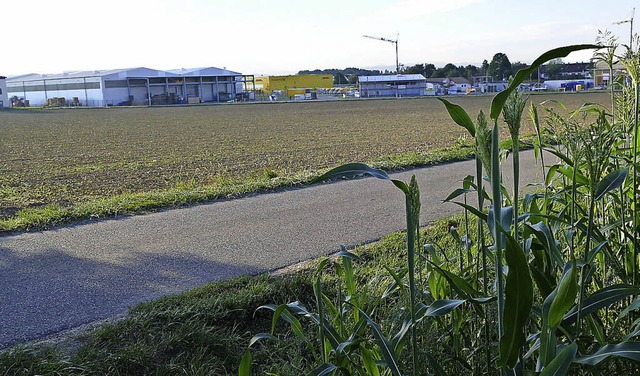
(187, 194)
(206, 330)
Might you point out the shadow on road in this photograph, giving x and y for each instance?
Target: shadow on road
(52, 291)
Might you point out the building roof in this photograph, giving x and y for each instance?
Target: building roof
(124, 73)
(601, 65)
(458, 80)
(570, 68)
(392, 78)
(436, 80)
(203, 71)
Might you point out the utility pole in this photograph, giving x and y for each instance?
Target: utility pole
(390, 41)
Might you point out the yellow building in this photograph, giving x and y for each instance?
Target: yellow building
(299, 81)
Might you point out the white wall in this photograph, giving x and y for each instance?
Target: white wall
(114, 96)
(4, 95)
(34, 92)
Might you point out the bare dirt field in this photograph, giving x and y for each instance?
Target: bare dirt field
(69, 156)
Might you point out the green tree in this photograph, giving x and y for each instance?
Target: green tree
(429, 70)
(500, 67)
(471, 71)
(340, 78)
(415, 69)
(449, 70)
(426, 70)
(485, 67)
(553, 69)
(515, 67)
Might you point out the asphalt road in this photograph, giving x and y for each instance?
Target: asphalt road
(56, 280)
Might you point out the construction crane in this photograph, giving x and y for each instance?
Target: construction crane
(390, 41)
(630, 21)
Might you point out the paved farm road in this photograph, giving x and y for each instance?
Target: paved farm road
(60, 279)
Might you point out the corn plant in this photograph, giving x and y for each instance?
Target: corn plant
(549, 280)
(342, 344)
(566, 304)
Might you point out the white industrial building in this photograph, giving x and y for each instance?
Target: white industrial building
(4, 97)
(133, 86)
(397, 85)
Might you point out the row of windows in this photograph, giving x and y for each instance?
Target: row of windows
(52, 87)
(168, 81)
(19, 87)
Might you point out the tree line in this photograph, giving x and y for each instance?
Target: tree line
(498, 68)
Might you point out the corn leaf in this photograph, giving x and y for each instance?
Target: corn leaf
(245, 365)
(369, 361)
(482, 216)
(600, 299)
(442, 307)
(631, 307)
(461, 286)
(351, 169)
(610, 182)
(565, 158)
(383, 343)
(499, 100)
(298, 308)
(564, 298)
(518, 303)
(397, 342)
(323, 370)
(457, 193)
(543, 282)
(561, 363)
(459, 116)
(505, 218)
(544, 235)
(568, 173)
(628, 350)
(261, 336)
(435, 366)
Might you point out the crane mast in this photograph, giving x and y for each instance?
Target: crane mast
(630, 21)
(390, 41)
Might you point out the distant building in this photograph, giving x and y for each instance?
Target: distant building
(298, 81)
(133, 86)
(602, 73)
(568, 85)
(435, 86)
(397, 85)
(458, 85)
(566, 71)
(4, 97)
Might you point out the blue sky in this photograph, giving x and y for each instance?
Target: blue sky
(285, 36)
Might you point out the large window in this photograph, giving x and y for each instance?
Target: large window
(110, 84)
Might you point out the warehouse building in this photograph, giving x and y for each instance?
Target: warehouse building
(4, 97)
(133, 86)
(397, 85)
(298, 81)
